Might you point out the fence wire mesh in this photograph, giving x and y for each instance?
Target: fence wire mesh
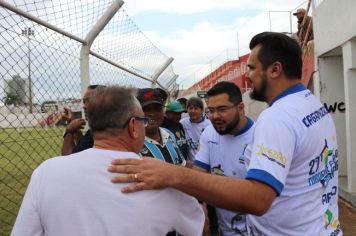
(40, 75)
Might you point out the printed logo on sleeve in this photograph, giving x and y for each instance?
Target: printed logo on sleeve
(272, 155)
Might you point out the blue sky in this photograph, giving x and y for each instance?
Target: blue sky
(202, 34)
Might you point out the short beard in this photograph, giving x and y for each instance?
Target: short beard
(230, 127)
(261, 94)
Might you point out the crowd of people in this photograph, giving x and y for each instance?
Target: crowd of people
(215, 173)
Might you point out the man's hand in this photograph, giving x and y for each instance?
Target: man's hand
(146, 173)
(75, 125)
(67, 115)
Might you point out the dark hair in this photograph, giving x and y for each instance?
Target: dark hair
(184, 100)
(195, 101)
(94, 86)
(279, 47)
(110, 107)
(231, 89)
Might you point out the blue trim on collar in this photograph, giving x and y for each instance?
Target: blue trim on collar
(248, 125)
(202, 119)
(294, 89)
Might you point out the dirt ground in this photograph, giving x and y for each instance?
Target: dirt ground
(347, 217)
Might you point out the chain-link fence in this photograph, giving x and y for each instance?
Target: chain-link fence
(44, 46)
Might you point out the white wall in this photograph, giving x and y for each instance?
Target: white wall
(332, 94)
(253, 108)
(335, 46)
(334, 23)
(21, 120)
(349, 61)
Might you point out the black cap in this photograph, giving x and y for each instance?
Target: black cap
(148, 96)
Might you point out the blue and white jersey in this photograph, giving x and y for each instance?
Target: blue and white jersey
(295, 152)
(167, 151)
(225, 155)
(192, 134)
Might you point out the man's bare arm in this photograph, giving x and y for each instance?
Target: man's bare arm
(71, 135)
(241, 195)
(199, 169)
(68, 144)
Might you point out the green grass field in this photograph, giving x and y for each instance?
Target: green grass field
(21, 151)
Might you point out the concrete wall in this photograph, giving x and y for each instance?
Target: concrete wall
(21, 120)
(333, 96)
(349, 69)
(334, 23)
(253, 108)
(335, 47)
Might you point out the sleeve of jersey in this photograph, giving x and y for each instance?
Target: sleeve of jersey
(202, 158)
(272, 152)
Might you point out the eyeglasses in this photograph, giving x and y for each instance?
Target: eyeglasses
(219, 110)
(144, 119)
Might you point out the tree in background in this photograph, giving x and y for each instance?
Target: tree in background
(12, 99)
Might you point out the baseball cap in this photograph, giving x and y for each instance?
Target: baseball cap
(300, 10)
(174, 106)
(147, 96)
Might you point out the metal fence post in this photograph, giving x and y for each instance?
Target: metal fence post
(90, 37)
(161, 70)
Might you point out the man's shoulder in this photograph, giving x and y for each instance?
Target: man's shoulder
(75, 160)
(54, 162)
(88, 135)
(268, 115)
(185, 120)
(166, 123)
(206, 121)
(210, 132)
(165, 131)
(86, 141)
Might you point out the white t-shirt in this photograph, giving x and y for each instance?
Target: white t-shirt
(295, 152)
(225, 155)
(73, 195)
(192, 134)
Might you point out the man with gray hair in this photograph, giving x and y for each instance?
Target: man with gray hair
(71, 195)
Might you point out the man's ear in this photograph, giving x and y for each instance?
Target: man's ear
(241, 107)
(275, 69)
(132, 128)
